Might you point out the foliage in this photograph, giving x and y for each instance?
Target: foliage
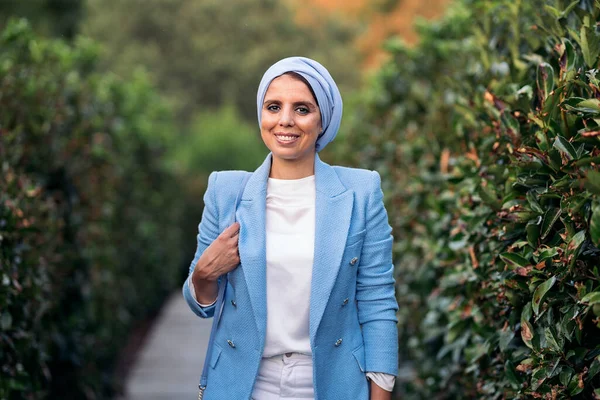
(487, 137)
(51, 17)
(379, 19)
(219, 140)
(204, 55)
(89, 242)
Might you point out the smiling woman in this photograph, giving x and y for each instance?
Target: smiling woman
(306, 306)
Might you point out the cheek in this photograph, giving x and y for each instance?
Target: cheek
(314, 126)
(266, 121)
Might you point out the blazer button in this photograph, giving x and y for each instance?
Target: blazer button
(233, 303)
(353, 261)
(231, 344)
(338, 342)
(345, 301)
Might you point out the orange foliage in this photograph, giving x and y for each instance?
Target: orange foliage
(379, 26)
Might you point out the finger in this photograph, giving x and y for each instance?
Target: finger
(232, 230)
(233, 242)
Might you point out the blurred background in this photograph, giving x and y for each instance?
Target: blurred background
(480, 115)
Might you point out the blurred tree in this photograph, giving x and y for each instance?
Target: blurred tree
(49, 17)
(380, 20)
(219, 140)
(203, 55)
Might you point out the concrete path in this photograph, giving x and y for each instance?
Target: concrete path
(170, 364)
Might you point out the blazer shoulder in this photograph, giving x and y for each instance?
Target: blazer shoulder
(360, 180)
(226, 183)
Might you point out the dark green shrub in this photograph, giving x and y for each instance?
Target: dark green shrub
(487, 135)
(89, 237)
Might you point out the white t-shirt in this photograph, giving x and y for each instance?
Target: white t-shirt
(290, 243)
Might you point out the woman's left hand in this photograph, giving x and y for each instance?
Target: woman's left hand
(377, 393)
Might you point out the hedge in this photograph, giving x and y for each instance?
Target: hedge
(487, 136)
(89, 242)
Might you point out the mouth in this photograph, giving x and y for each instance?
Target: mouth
(286, 138)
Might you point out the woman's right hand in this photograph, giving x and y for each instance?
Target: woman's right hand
(219, 258)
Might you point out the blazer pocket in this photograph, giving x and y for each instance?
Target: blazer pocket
(216, 353)
(357, 237)
(359, 355)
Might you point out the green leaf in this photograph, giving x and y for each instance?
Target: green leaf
(533, 202)
(541, 138)
(552, 10)
(544, 80)
(550, 217)
(575, 244)
(550, 108)
(509, 370)
(513, 259)
(538, 376)
(548, 254)
(551, 340)
(589, 105)
(565, 376)
(574, 388)
(504, 338)
(565, 147)
(569, 8)
(526, 313)
(489, 197)
(595, 224)
(590, 43)
(591, 298)
(592, 181)
(594, 369)
(581, 105)
(533, 231)
(540, 293)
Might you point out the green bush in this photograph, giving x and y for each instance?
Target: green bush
(487, 135)
(89, 237)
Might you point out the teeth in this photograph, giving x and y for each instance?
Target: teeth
(286, 138)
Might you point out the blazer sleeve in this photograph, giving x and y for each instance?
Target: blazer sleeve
(208, 231)
(375, 294)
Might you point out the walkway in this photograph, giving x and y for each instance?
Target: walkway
(170, 363)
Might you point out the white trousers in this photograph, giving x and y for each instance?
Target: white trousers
(287, 376)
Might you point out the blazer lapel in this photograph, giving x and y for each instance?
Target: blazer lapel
(333, 212)
(252, 241)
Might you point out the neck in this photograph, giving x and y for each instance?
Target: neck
(292, 169)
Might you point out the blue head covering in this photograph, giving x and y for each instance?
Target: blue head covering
(321, 82)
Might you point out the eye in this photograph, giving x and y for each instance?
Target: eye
(303, 110)
(273, 107)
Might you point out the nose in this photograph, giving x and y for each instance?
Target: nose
(286, 117)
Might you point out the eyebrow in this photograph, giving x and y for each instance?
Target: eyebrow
(297, 103)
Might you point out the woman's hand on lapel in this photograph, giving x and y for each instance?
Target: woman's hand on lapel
(219, 258)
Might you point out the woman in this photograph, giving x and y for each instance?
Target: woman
(310, 310)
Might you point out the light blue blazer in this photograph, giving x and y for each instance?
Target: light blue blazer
(352, 303)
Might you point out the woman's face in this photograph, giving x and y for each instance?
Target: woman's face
(290, 120)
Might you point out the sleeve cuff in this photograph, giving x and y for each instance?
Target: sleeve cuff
(383, 380)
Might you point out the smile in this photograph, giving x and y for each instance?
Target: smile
(286, 138)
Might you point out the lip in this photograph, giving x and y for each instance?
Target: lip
(286, 142)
